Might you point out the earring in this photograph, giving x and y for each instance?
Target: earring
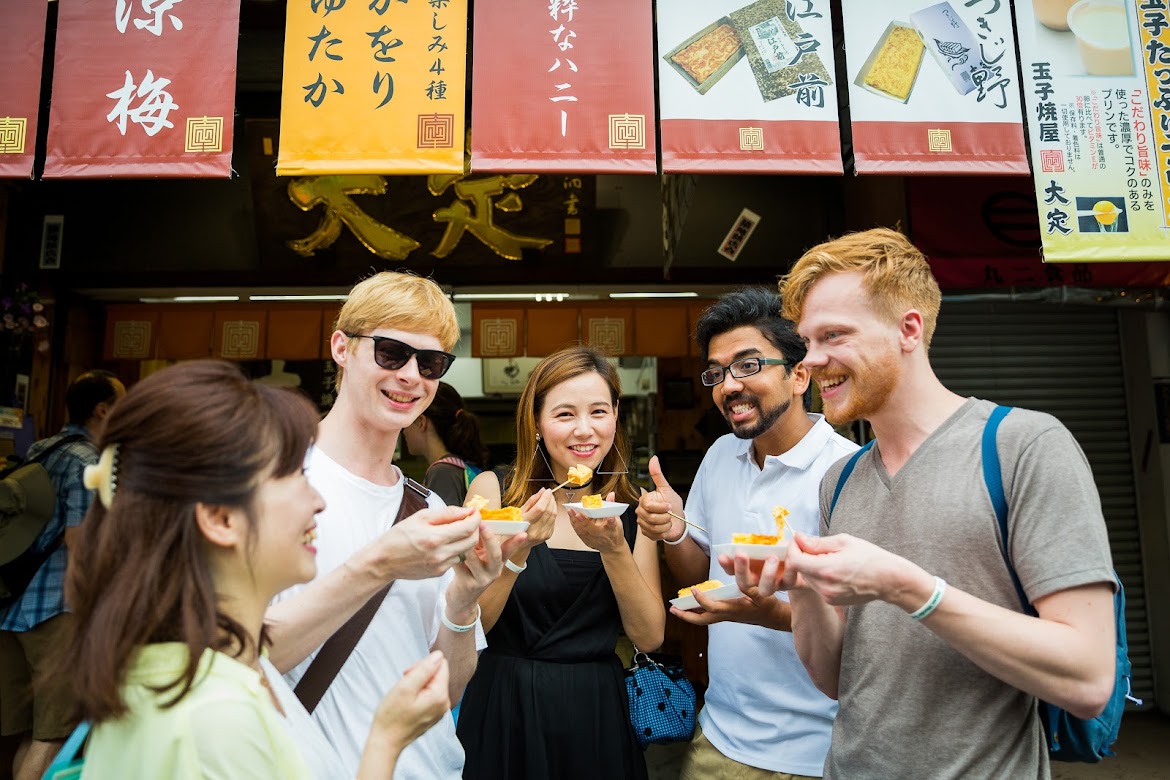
(538, 437)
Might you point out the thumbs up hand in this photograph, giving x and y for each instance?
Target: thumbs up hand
(652, 510)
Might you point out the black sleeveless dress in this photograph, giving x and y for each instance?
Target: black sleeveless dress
(548, 700)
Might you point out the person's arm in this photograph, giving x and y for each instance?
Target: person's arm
(411, 707)
(540, 512)
(633, 575)
(1064, 656)
(687, 561)
(460, 605)
(423, 545)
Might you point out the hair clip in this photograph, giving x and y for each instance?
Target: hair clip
(103, 476)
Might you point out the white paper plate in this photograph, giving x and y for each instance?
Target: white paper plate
(756, 552)
(723, 592)
(607, 509)
(506, 527)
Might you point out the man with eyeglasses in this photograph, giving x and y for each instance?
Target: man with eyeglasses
(763, 717)
(390, 346)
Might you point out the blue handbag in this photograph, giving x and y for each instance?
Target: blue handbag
(661, 699)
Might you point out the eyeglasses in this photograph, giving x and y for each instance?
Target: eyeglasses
(741, 368)
(392, 354)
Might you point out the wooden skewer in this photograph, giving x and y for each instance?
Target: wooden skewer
(688, 522)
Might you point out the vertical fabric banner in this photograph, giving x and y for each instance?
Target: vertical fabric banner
(373, 86)
(933, 87)
(563, 86)
(1097, 85)
(747, 88)
(20, 101)
(143, 88)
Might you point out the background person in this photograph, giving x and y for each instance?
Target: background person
(204, 515)
(36, 621)
(907, 612)
(762, 718)
(447, 436)
(548, 701)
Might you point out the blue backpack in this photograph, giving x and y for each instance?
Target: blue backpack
(1069, 738)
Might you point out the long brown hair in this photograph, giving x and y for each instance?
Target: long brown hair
(553, 370)
(193, 433)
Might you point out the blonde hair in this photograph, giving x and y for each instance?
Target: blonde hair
(553, 370)
(895, 275)
(402, 301)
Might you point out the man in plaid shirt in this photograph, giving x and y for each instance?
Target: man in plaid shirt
(33, 624)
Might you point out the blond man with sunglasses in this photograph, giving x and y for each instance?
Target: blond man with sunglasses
(391, 345)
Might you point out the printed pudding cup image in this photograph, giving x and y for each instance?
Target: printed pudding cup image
(1053, 14)
(1101, 28)
(1106, 213)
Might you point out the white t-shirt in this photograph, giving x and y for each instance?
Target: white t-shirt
(401, 633)
(318, 754)
(761, 708)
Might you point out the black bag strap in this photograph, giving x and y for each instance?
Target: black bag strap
(46, 452)
(336, 650)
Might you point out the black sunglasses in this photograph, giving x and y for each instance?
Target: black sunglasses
(392, 354)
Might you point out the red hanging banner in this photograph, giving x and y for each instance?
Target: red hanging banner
(143, 88)
(20, 62)
(565, 86)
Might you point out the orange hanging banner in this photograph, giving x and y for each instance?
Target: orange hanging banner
(143, 88)
(564, 86)
(20, 62)
(376, 86)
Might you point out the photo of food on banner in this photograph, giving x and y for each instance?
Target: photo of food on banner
(782, 54)
(1085, 37)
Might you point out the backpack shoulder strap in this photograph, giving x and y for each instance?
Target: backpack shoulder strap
(845, 472)
(337, 649)
(61, 442)
(993, 479)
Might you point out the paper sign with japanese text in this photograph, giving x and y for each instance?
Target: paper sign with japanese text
(933, 87)
(143, 88)
(1097, 88)
(563, 86)
(20, 62)
(747, 86)
(376, 86)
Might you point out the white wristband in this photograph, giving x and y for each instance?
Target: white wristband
(686, 532)
(940, 587)
(513, 567)
(458, 629)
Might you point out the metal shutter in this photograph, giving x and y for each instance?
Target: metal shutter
(1067, 362)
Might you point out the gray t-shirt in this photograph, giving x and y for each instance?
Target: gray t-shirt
(912, 706)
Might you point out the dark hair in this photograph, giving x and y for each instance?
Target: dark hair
(757, 307)
(194, 433)
(553, 370)
(457, 427)
(86, 392)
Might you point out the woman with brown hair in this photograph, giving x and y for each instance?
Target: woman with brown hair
(548, 701)
(204, 514)
(447, 435)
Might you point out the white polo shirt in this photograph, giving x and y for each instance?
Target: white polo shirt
(401, 633)
(761, 707)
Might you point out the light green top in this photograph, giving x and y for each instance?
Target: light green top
(226, 727)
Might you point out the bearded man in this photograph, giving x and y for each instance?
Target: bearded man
(763, 718)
